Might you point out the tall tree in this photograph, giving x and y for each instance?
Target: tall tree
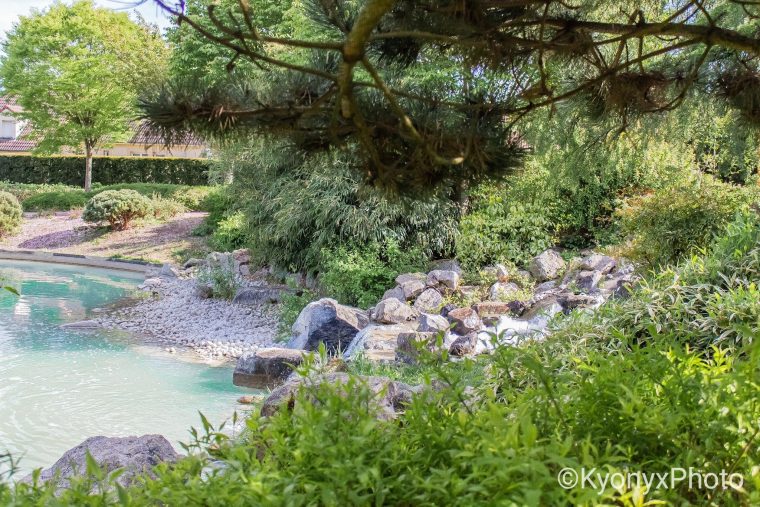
(503, 60)
(76, 71)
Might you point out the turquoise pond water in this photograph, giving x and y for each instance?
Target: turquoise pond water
(59, 387)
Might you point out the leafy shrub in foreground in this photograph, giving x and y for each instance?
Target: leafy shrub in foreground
(10, 214)
(667, 224)
(230, 233)
(117, 207)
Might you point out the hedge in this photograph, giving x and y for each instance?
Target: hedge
(105, 170)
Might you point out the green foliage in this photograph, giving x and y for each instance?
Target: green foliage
(298, 205)
(496, 230)
(42, 197)
(230, 233)
(107, 170)
(668, 224)
(10, 214)
(163, 208)
(76, 71)
(117, 207)
(221, 278)
(358, 276)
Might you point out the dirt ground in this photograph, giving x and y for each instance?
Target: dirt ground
(67, 233)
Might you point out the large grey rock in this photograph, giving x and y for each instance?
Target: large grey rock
(430, 301)
(376, 343)
(502, 291)
(547, 265)
(411, 289)
(408, 277)
(193, 262)
(502, 273)
(136, 455)
(409, 345)
(464, 345)
(387, 396)
(258, 296)
(443, 279)
(393, 311)
(465, 320)
(168, 271)
(618, 286)
(598, 262)
(550, 306)
(432, 323)
(266, 368)
(588, 280)
(326, 321)
(394, 293)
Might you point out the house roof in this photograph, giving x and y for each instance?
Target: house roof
(17, 145)
(9, 103)
(143, 135)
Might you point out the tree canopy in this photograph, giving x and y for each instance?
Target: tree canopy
(76, 71)
(355, 76)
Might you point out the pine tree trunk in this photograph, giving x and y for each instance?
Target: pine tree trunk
(88, 168)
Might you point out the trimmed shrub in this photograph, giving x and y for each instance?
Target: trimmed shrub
(106, 170)
(10, 214)
(117, 207)
(164, 208)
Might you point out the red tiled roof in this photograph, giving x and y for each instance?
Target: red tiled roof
(17, 145)
(144, 136)
(9, 103)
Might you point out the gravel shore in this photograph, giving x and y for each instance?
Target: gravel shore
(173, 314)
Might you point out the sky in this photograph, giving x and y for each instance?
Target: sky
(10, 10)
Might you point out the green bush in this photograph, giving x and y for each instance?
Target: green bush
(359, 276)
(668, 224)
(117, 207)
(163, 208)
(106, 170)
(298, 205)
(230, 233)
(57, 200)
(497, 231)
(10, 214)
(222, 280)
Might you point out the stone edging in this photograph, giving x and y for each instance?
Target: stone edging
(77, 260)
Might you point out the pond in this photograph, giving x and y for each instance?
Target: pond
(58, 387)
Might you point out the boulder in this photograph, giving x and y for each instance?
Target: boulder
(618, 286)
(386, 399)
(443, 279)
(257, 296)
(266, 368)
(432, 323)
(550, 306)
(465, 320)
(168, 271)
(588, 280)
(408, 277)
(410, 289)
(546, 286)
(547, 265)
(464, 345)
(597, 262)
(242, 256)
(393, 311)
(394, 293)
(502, 273)
(326, 321)
(573, 301)
(150, 283)
(501, 291)
(376, 343)
(135, 455)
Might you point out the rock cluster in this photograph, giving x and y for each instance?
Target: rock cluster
(519, 306)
